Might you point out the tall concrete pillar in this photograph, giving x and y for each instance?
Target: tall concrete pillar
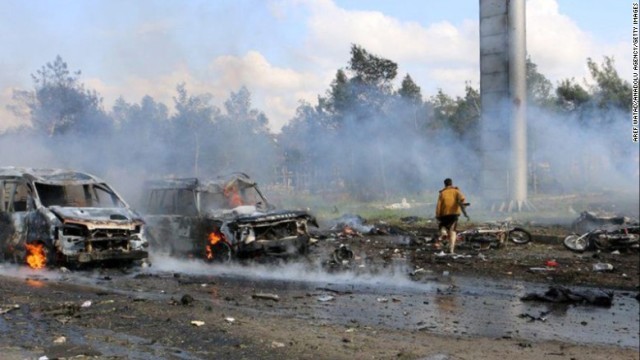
(503, 97)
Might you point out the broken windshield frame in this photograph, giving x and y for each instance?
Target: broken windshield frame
(82, 195)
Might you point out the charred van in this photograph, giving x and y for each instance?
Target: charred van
(54, 216)
(222, 218)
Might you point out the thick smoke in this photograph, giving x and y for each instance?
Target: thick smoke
(571, 155)
(368, 155)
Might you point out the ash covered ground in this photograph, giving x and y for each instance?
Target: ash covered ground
(395, 298)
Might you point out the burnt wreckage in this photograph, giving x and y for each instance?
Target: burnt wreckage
(54, 216)
(221, 219)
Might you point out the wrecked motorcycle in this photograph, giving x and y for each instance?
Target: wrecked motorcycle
(591, 220)
(493, 234)
(608, 238)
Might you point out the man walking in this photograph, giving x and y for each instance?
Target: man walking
(451, 203)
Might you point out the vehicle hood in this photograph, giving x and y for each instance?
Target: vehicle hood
(273, 216)
(123, 218)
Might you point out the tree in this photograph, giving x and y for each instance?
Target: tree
(339, 95)
(370, 69)
(192, 124)
(538, 86)
(460, 115)
(145, 128)
(610, 91)
(59, 102)
(243, 140)
(571, 96)
(410, 91)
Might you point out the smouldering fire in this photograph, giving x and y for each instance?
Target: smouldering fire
(214, 238)
(36, 256)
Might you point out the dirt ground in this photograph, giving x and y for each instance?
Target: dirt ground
(527, 262)
(124, 314)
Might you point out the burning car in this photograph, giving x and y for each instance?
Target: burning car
(54, 216)
(222, 218)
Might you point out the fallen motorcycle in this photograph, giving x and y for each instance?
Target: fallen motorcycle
(492, 235)
(607, 238)
(591, 220)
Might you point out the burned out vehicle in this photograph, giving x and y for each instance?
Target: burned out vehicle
(54, 216)
(224, 218)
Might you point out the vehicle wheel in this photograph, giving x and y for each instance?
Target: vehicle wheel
(53, 257)
(575, 242)
(221, 252)
(519, 236)
(601, 243)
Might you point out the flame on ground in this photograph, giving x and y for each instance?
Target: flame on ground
(36, 256)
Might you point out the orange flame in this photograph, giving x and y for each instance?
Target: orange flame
(214, 238)
(36, 257)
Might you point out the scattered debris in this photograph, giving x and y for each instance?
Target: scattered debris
(266, 296)
(551, 263)
(197, 323)
(325, 298)
(6, 309)
(560, 294)
(186, 300)
(60, 340)
(401, 205)
(229, 320)
(86, 304)
(542, 317)
(339, 292)
(343, 254)
(276, 344)
(602, 267)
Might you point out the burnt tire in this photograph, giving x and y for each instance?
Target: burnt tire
(519, 236)
(576, 243)
(221, 253)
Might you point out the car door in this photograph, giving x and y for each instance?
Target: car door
(15, 205)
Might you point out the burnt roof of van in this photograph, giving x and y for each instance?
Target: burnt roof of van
(218, 182)
(50, 176)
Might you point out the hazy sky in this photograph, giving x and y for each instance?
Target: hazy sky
(284, 50)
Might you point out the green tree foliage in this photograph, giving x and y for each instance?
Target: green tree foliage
(539, 88)
(59, 102)
(410, 91)
(599, 100)
(610, 91)
(571, 96)
(243, 136)
(191, 126)
(339, 96)
(460, 115)
(145, 127)
(371, 70)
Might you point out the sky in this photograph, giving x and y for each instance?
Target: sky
(284, 51)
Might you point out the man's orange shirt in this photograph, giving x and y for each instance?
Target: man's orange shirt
(449, 201)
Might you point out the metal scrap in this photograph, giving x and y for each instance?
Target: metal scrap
(266, 296)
